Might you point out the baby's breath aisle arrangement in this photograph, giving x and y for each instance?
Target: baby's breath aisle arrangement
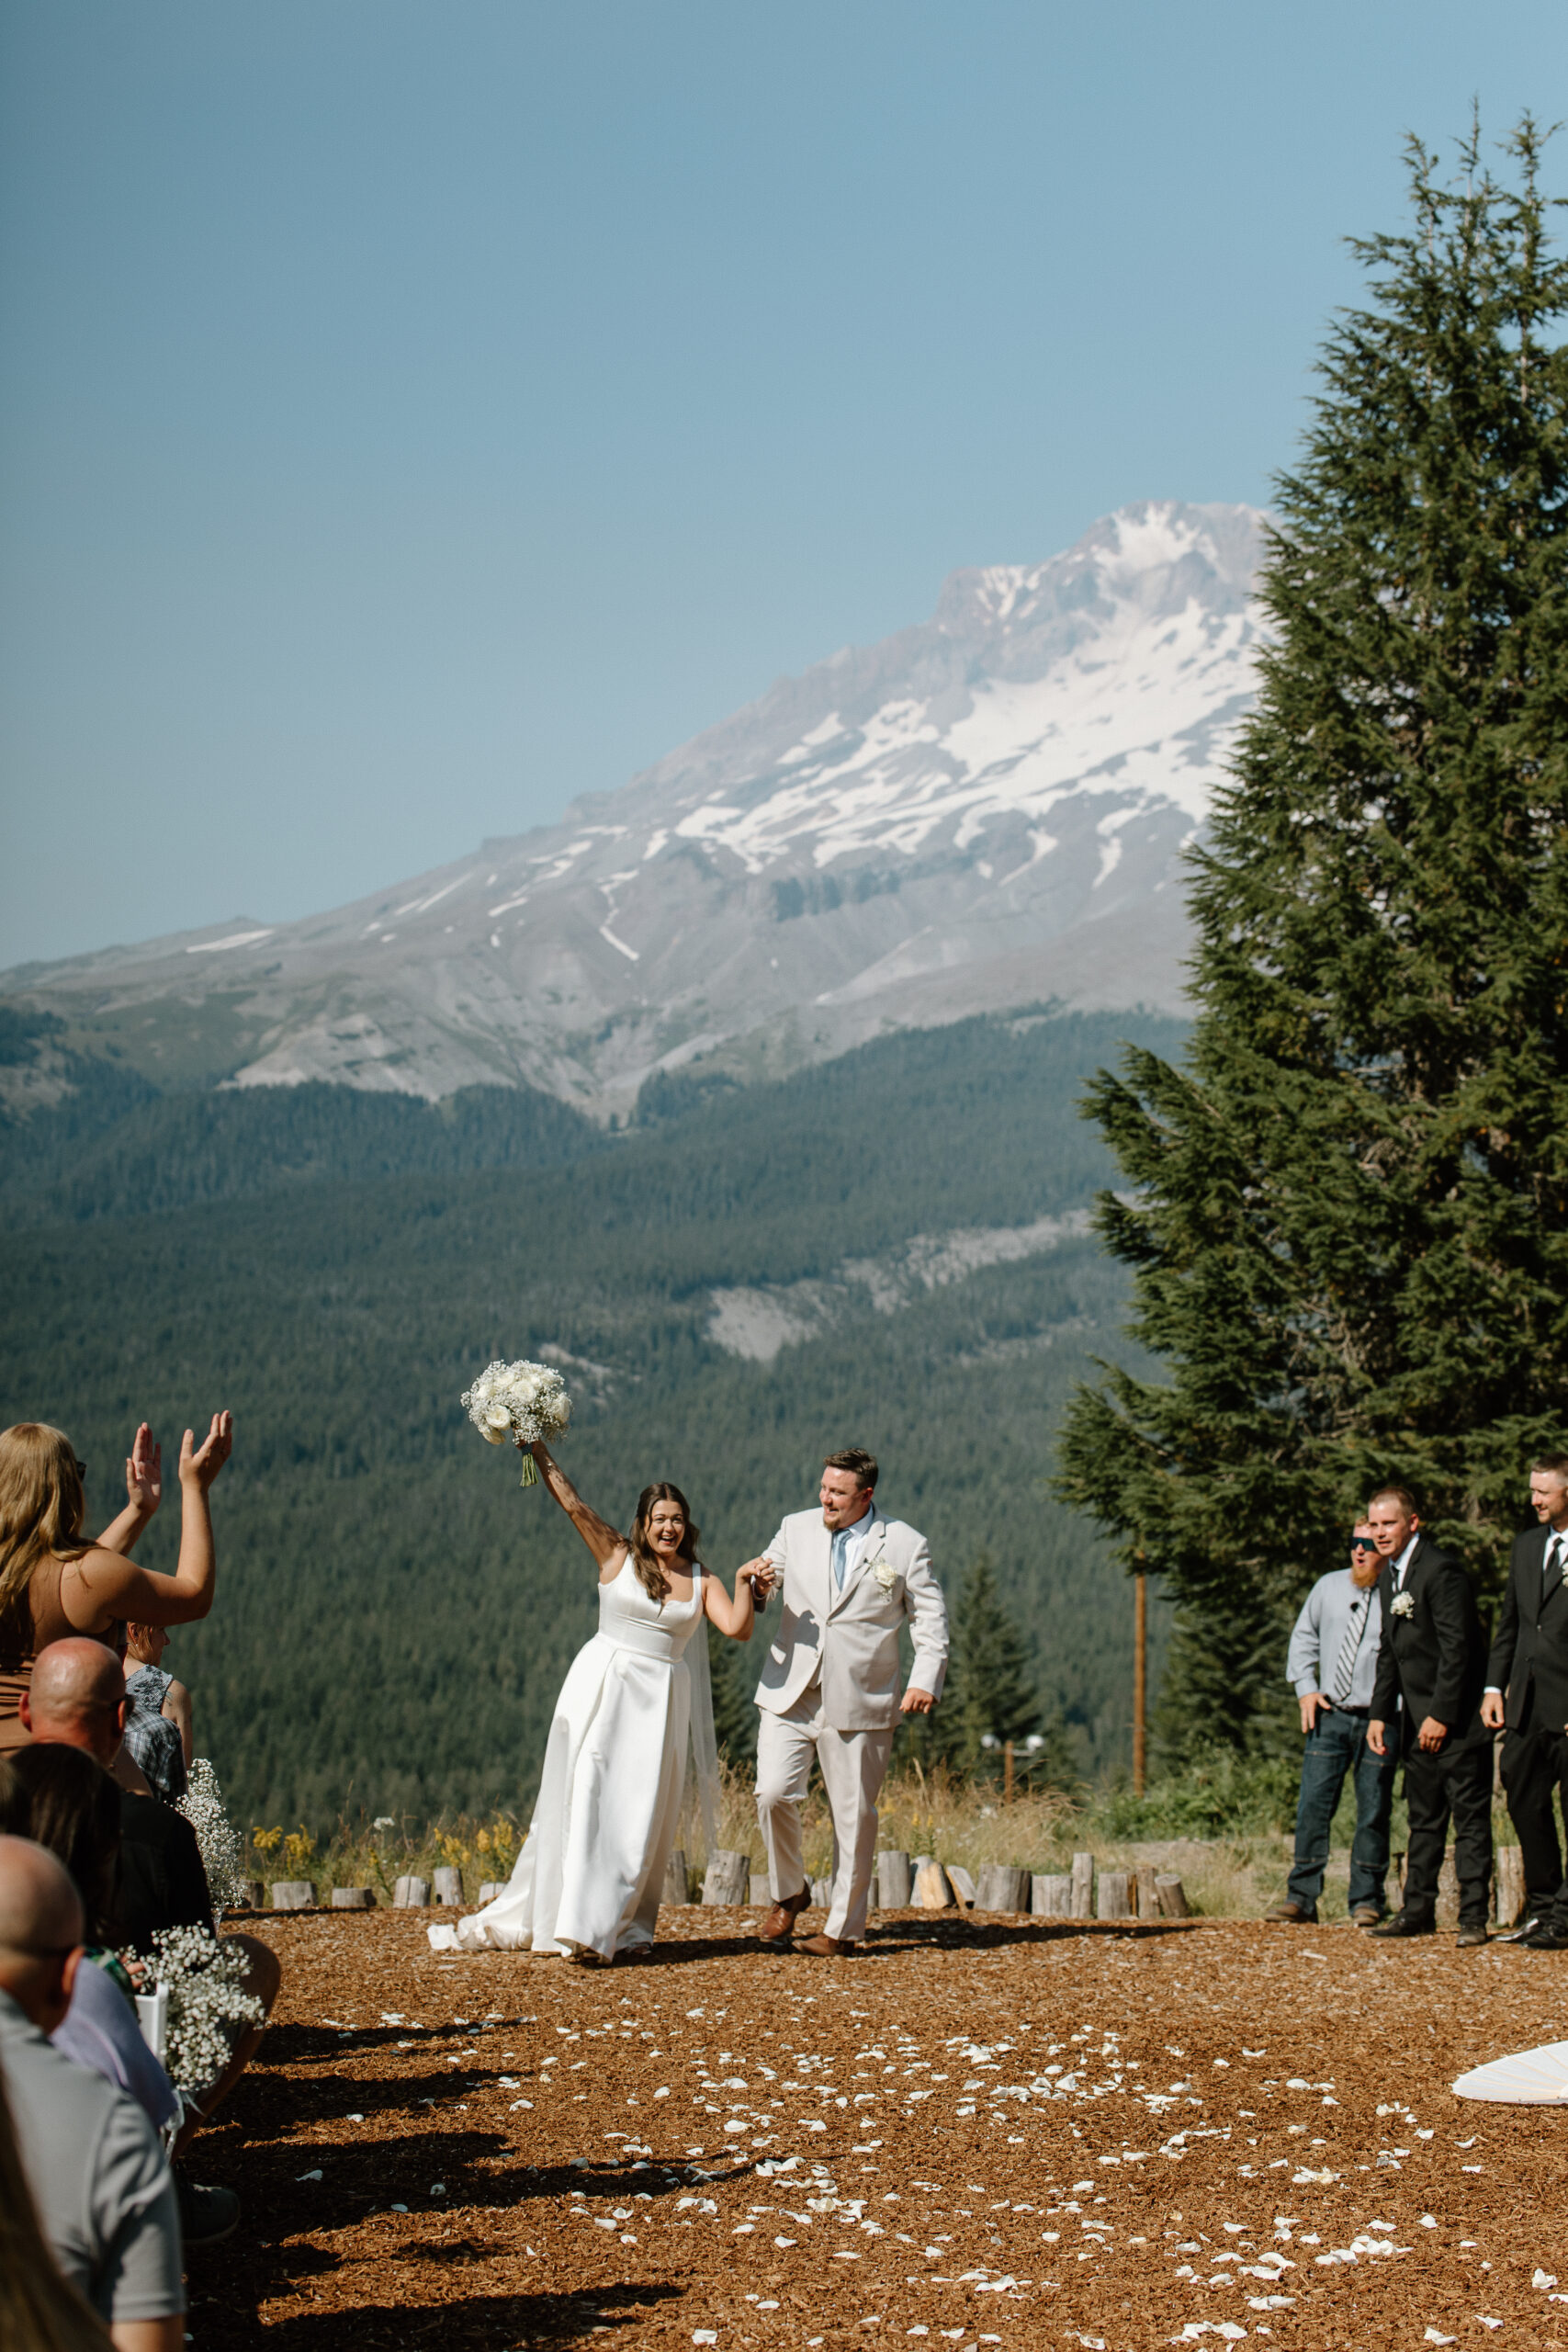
(222, 1845)
(205, 1980)
(523, 1401)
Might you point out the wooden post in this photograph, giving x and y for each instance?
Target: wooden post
(1006, 1773)
(1140, 1677)
(1114, 1895)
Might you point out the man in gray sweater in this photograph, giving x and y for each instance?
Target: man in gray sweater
(1331, 1661)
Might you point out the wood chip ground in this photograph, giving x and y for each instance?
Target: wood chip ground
(975, 2133)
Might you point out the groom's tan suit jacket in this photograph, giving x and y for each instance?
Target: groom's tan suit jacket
(851, 1637)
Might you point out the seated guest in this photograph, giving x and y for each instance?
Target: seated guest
(100, 2184)
(39, 2310)
(77, 1699)
(55, 1581)
(158, 1728)
(65, 1802)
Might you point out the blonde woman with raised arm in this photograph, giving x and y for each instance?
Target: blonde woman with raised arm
(588, 1880)
(55, 1582)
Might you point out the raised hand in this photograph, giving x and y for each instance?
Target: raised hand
(759, 1575)
(144, 1474)
(201, 1466)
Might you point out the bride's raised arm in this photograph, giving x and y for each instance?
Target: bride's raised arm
(605, 1543)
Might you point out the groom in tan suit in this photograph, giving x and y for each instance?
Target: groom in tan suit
(850, 1577)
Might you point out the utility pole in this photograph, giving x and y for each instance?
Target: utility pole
(1140, 1671)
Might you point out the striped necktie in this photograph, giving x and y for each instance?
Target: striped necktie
(1349, 1650)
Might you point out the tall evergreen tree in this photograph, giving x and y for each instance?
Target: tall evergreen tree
(989, 1693)
(1348, 1212)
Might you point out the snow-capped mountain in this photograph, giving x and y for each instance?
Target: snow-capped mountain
(979, 812)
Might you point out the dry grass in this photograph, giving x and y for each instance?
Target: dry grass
(1234, 1875)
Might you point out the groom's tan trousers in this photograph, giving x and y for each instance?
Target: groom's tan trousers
(854, 1765)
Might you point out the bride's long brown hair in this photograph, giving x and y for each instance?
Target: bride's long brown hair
(645, 1559)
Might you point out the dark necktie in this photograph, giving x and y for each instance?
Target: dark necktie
(1349, 1649)
(1551, 1566)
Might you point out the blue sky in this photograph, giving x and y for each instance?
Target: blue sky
(414, 415)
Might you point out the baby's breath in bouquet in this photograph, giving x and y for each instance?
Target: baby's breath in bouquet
(206, 1982)
(523, 1401)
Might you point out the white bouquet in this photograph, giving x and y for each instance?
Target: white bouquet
(523, 1401)
(206, 1982)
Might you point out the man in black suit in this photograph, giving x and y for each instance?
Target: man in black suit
(1526, 1693)
(1432, 1667)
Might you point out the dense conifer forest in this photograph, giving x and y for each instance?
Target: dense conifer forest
(394, 1615)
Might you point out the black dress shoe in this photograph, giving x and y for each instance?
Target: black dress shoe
(206, 2215)
(1546, 1937)
(1403, 1924)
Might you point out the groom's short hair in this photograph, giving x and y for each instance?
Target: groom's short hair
(856, 1459)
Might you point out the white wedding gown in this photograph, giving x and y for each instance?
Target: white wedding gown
(608, 1811)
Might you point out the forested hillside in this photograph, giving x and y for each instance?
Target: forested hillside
(394, 1615)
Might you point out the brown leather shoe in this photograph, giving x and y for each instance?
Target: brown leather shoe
(825, 1947)
(778, 1928)
(1290, 1914)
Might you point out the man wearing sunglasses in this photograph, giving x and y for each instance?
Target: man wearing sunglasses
(1331, 1661)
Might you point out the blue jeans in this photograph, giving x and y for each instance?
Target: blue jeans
(1338, 1745)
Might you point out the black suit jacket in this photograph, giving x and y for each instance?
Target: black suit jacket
(1530, 1656)
(1432, 1656)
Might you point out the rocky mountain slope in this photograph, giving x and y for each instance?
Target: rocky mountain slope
(984, 812)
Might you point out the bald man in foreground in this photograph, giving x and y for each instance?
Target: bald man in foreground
(105, 2195)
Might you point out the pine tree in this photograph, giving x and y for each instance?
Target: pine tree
(989, 1693)
(1348, 1212)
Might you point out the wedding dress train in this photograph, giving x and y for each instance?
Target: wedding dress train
(607, 1814)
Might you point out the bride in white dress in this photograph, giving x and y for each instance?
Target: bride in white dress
(588, 1879)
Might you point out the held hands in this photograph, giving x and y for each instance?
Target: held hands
(200, 1466)
(759, 1574)
(144, 1474)
(916, 1703)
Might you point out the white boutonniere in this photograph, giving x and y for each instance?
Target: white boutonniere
(886, 1574)
(1403, 1604)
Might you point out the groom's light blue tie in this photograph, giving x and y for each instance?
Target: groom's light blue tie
(841, 1556)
